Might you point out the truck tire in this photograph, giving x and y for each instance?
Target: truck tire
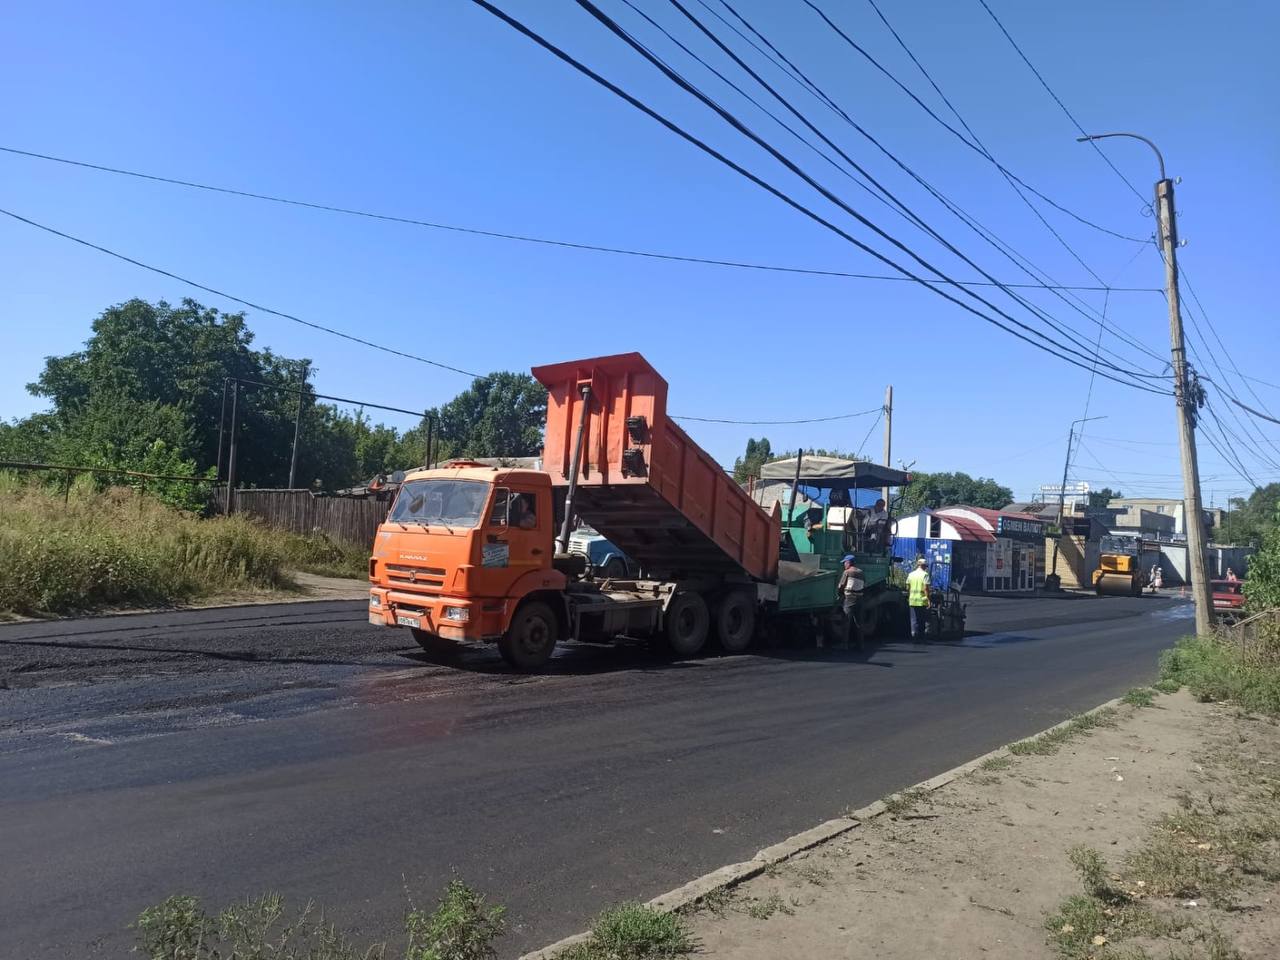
(528, 643)
(436, 647)
(614, 569)
(735, 621)
(686, 623)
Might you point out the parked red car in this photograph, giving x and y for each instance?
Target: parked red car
(1228, 600)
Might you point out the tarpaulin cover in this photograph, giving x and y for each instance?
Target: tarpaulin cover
(834, 474)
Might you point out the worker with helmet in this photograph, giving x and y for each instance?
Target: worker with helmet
(918, 597)
(849, 589)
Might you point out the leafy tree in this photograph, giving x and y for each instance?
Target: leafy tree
(1100, 498)
(748, 465)
(936, 490)
(1262, 587)
(146, 394)
(1249, 520)
(501, 415)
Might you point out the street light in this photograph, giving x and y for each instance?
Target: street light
(1197, 570)
(1062, 502)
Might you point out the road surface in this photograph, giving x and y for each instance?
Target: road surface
(297, 749)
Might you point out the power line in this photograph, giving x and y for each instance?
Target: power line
(924, 106)
(905, 210)
(1058, 101)
(240, 300)
(790, 165)
(367, 343)
(988, 236)
(773, 423)
(521, 238)
(863, 445)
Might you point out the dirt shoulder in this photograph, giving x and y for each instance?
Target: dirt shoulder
(1157, 835)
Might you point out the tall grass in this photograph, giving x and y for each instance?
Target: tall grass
(116, 548)
(1213, 668)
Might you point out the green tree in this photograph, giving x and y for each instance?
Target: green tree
(748, 465)
(1100, 498)
(936, 490)
(501, 415)
(1248, 520)
(1262, 586)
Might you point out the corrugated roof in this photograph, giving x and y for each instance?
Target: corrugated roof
(969, 530)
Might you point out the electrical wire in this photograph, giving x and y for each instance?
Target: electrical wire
(863, 445)
(499, 235)
(240, 300)
(758, 181)
(928, 110)
(368, 343)
(1058, 101)
(773, 423)
(905, 210)
(1021, 262)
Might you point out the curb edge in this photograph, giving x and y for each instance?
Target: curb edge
(730, 875)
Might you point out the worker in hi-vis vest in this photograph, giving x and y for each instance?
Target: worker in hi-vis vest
(918, 597)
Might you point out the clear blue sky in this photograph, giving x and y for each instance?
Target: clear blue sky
(439, 111)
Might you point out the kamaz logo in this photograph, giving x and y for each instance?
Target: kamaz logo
(413, 556)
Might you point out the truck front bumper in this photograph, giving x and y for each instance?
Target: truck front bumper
(453, 618)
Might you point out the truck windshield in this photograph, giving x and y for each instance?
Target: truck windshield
(450, 503)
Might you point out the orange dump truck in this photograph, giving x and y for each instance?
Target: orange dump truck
(471, 552)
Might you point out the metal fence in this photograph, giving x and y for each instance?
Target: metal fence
(352, 520)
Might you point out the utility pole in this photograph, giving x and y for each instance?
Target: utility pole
(297, 425)
(1062, 503)
(888, 435)
(1197, 569)
(222, 426)
(231, 456)
(1185, 396)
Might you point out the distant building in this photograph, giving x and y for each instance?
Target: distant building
(1162, 506)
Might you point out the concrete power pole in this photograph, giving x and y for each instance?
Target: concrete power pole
(1184, 395)
(1197, 569)
(888, 435)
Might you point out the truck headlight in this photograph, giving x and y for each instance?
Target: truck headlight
(457, 614)
(375, 600)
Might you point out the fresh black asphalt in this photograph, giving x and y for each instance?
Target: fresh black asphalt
(294, 748)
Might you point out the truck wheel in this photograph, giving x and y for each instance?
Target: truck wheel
(529, 642)
(686, 624)
(735, 622)
(614, 569)
(438, 648)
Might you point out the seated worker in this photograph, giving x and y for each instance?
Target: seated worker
(874, 524)
(522, 512)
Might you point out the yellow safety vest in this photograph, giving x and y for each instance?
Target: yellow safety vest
(918, 588)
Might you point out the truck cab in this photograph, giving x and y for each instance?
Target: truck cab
(466, 554)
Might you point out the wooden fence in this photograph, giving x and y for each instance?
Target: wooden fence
(352, 520)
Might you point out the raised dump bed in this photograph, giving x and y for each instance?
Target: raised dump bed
(643, 483)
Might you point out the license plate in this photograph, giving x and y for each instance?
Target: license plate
(406, 621)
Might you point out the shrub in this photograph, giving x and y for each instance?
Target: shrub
(1214, 670)
(460, 928)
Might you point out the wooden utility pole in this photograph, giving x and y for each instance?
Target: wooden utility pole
(297, 426)
(888, 435)
(1193, 515)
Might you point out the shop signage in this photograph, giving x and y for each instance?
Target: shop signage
(1015, 528)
